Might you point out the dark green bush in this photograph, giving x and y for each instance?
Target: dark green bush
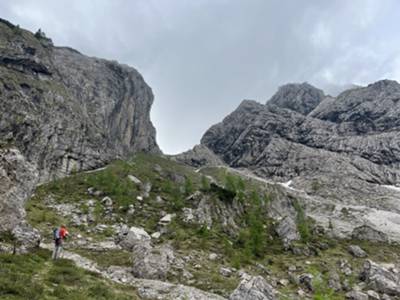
(222, 193)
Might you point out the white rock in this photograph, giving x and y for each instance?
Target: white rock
(301, 293)
(166, 219)
(373, 295)
(139, 233)
(226, 272)
(283, 282)
(134, 179)
(159, 199)
(107, 201)
(156, 235)
(212, 256)
(187, 275)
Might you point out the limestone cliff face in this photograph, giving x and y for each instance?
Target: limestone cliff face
(17, 179)
(356, 133)
(65, 111)
(62, 111)
(338, 152)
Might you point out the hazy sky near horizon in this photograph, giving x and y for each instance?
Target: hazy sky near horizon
(203, 57)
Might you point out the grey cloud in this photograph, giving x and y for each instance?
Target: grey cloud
(203, 57)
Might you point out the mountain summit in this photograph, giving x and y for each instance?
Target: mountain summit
(301, 98)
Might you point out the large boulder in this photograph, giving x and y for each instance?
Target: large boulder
(128, 238)
(152, 262)
(253, 288)
(381, 279)
(356, 251)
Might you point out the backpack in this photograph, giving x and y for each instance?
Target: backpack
(56, 234)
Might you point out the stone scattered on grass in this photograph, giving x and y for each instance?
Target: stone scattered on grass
(226, 272)
(134, 179)
(306, 280)
(212, 256)
(166, 219)
(356, 251)
(253, 287)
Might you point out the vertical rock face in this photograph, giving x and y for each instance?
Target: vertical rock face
(62, 111)
(65, 111)
(17, 179)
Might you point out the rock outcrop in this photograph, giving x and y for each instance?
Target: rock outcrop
(381, 279)
(199, 156)
(302, 98)
(254, 288)
(17, 181)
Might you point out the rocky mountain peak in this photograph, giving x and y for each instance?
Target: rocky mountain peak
(300, 97)
(373, 108)
(384, 84)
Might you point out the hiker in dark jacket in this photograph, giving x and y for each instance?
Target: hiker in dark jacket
(59, 235)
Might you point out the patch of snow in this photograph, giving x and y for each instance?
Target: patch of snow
(286, 184)
(392, 187)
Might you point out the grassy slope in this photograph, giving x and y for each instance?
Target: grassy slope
(36, 276)
(173, 183)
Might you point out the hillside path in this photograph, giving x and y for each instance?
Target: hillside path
(146, 288)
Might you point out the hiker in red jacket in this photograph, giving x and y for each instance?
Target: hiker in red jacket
(59, 234)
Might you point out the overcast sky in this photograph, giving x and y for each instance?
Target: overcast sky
(203, 57)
